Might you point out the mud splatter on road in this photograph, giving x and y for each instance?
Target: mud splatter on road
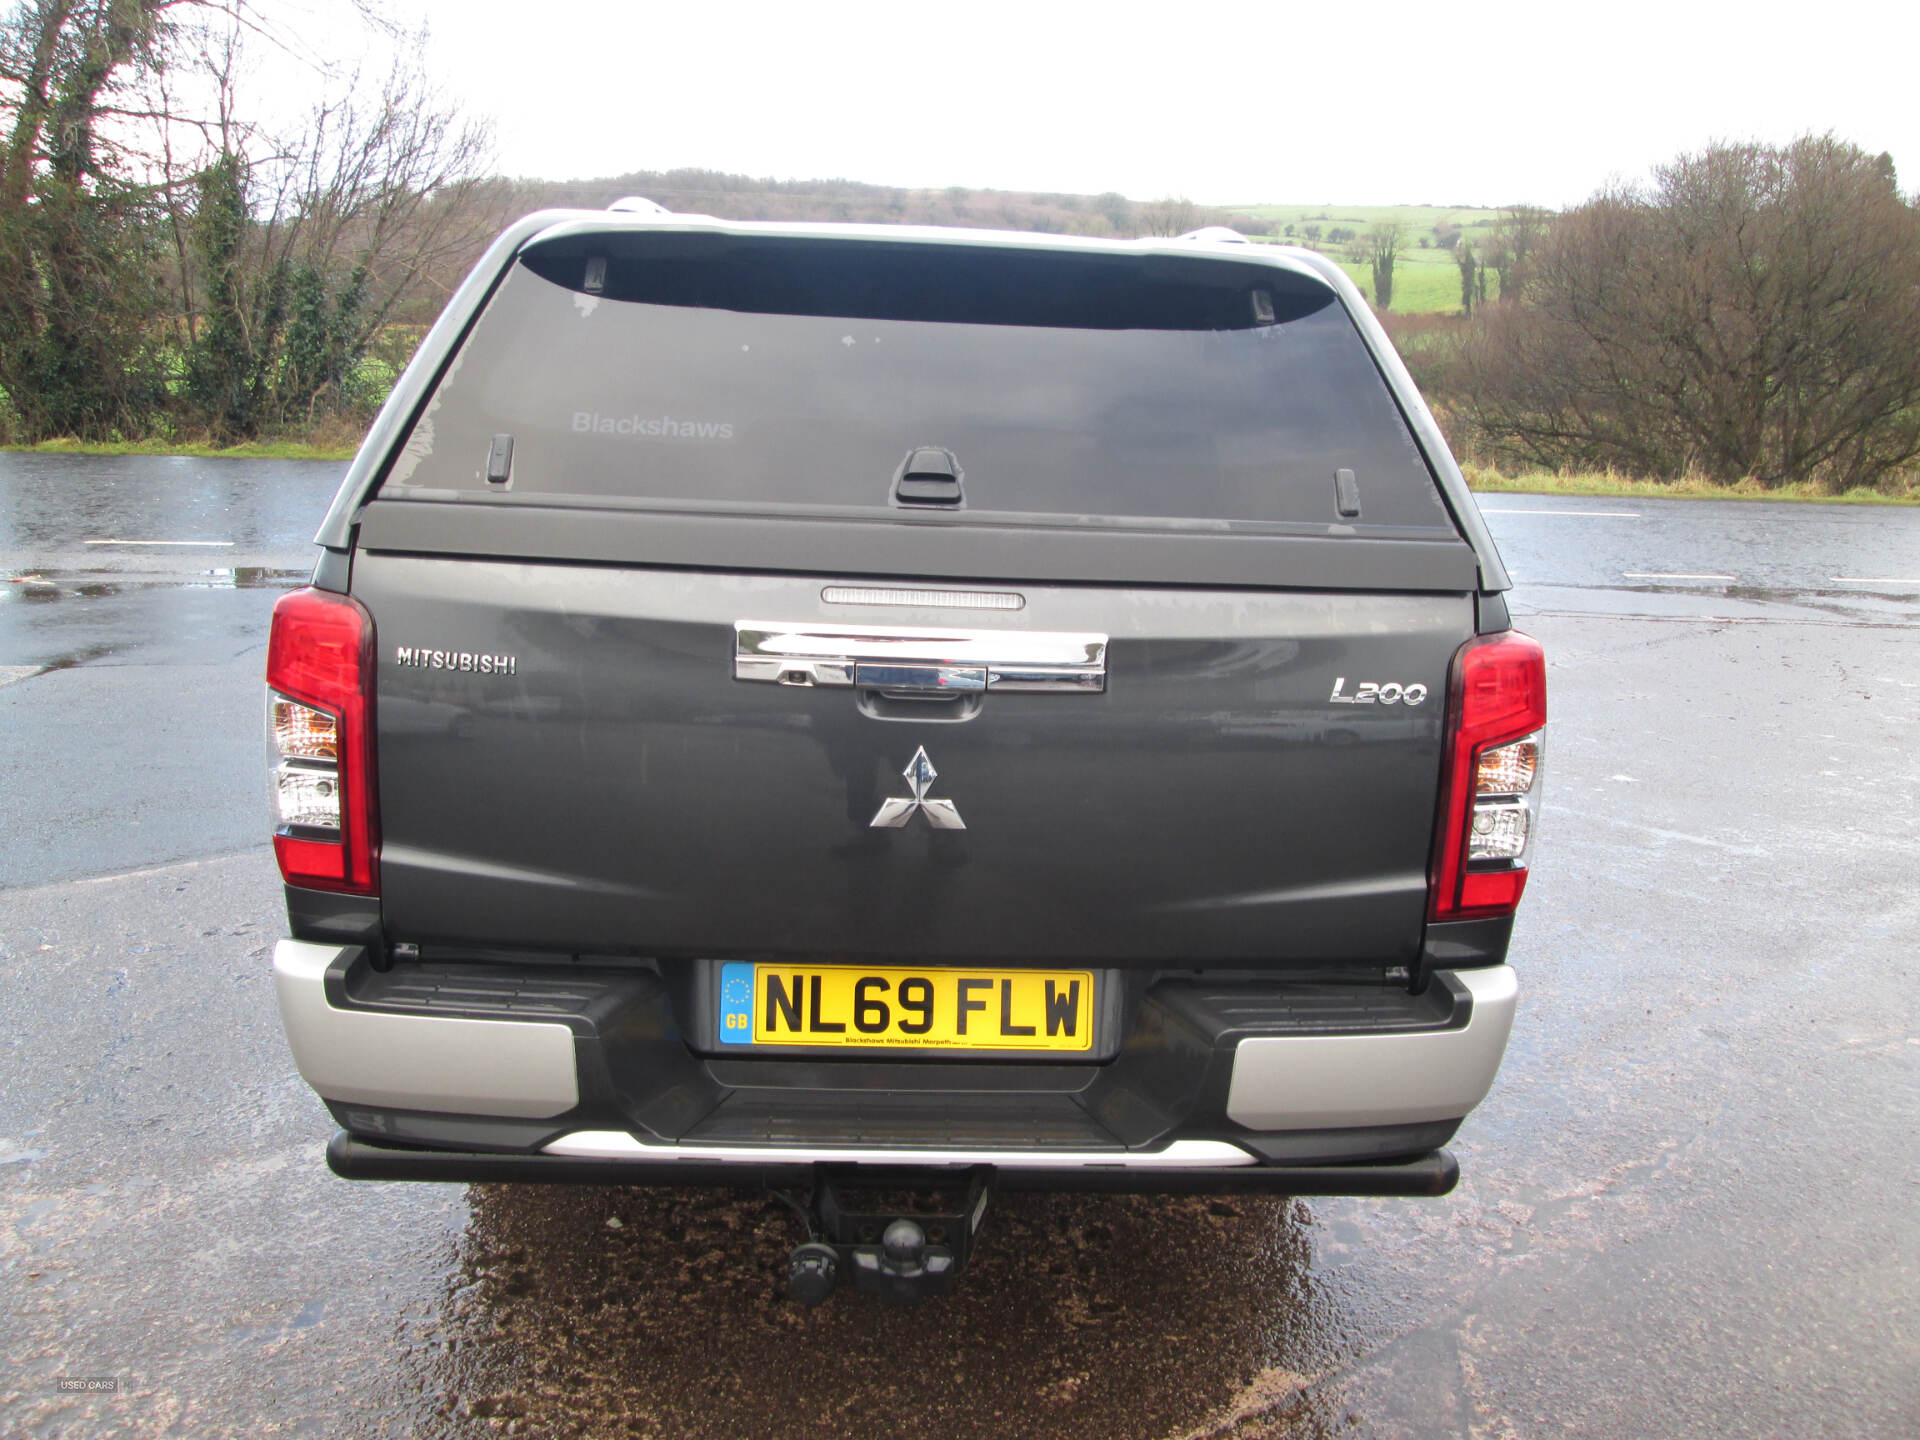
(1120, 1316)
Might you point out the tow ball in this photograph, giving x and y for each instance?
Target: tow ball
(900, 1253)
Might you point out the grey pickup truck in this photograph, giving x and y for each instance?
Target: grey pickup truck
(886, 714)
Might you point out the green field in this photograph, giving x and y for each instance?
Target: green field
(1425, 281)
(1358, 217)
(1418, 288)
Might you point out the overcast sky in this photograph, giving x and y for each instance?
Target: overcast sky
(1447, 102)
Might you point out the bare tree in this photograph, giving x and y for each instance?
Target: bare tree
(304, 246)
(1752, 313)
(137, 186)
(1169, 216)
(1516, 235)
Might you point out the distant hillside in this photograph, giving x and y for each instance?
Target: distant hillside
(744, 197)
(1414, 217)
(1427, 283)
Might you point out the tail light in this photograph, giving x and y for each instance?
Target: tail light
(320, 742)
(1490, 802)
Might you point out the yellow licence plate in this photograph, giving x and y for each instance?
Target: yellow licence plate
(905, 1008)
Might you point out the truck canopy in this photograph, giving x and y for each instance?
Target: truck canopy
(723, 375)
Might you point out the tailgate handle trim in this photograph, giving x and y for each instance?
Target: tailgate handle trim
(920, 661)
(920, 679)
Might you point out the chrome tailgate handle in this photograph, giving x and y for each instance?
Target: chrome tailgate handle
(921, 679)
(920, 661)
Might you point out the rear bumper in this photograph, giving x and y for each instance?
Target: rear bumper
(1434, 1173)
(557, 1072)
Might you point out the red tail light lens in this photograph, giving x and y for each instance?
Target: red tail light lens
(1490, 784)
(326, 832)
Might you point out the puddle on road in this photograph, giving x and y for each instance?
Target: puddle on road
(248, 577)
(39, 587)
(1097, 1315)
(1774, 604)
(85, 655)
(1736, 590)
(30, 589)
(14, 674)
(1845, 603)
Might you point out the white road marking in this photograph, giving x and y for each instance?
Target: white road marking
(1652, 575)
(11, 673)
(1590, 514)
(1869, 580)
(211, 544)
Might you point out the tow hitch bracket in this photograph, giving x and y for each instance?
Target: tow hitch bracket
(858, 1234)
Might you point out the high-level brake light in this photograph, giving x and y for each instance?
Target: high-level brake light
(1490, 803)
(320, 742)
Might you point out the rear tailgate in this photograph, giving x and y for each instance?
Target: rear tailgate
(655, 445)
(604, 782)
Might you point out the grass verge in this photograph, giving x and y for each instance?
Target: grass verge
(1904, 490)
(253, 450)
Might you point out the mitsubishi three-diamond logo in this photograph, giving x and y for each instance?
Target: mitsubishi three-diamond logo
(920, 777)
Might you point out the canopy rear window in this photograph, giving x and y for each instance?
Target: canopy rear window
(771, 374)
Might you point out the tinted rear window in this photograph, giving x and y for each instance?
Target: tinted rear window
(766, 374)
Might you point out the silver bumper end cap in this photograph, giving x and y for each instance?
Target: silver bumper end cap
(1324, 1082)
(515, 1068)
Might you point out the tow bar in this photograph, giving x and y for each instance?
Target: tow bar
(902, 1253)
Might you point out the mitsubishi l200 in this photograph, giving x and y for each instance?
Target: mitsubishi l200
(848, 709)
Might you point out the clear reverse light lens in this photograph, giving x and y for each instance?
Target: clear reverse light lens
(309, 798)
(301, 732)
(1499, 832)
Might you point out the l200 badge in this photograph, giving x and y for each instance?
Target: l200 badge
(1372, 692)
(920, 776)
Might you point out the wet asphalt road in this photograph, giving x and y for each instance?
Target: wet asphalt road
(1691, 1205)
